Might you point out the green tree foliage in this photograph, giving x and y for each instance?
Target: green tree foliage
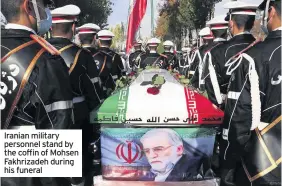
(92, 11)
(160, 48)
(183, 15)
(162, 26)
(118, 40)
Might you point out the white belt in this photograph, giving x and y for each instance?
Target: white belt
(262, 125)
(23, 127)
(202, 82)
(78, 99)
(233, 95)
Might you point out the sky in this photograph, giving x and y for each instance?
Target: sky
(120, 13)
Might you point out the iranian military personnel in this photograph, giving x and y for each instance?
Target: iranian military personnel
(105, 39)
(87, 36)
(219, 27)
(35, 86)
(184, 61)
(153, 58)
(196, 66)
(171, 57)
(135, 57)
(83, 72)
(241, 19)
(251, 138)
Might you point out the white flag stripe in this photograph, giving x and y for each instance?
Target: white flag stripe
(169, 103)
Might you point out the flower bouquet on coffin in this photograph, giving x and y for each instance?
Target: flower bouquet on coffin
(177, 75)
(152, 67)
(174, 73)
(157, 82)
(185, 82)
(123, 82)
(139, 70)
(181, 79)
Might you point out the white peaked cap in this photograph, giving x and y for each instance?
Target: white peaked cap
(242, 8)
(168, 43)
(105, 35)
(218, 22)
(65, 14)
(88, 28)
(205, 31)
(138, 42)
(154, 42)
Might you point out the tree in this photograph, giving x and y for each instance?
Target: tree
(92, 11)
(119, 36)
(184, 15)
(162, 26)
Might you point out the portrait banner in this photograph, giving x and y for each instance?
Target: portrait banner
(101, 182)
(156, 154)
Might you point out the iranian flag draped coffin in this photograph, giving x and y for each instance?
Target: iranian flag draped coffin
(164, 137)
(175, 104)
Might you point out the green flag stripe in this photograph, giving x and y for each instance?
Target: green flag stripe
(114, 108)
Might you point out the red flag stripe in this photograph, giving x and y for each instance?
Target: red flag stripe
(200, 108)
(135, 19)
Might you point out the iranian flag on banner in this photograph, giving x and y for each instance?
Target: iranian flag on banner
(175, 104)
(137, 13)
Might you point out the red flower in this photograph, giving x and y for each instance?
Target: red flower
(153, 90)
(177, 76)
(132, 73)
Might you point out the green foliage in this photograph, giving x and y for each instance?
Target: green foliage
(158, 80)
(160, 48)
(92, 11)
(148, 67)
(184, 81)
(118, 30)
(178, 16)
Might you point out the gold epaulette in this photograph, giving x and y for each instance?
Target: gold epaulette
(45, 44)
